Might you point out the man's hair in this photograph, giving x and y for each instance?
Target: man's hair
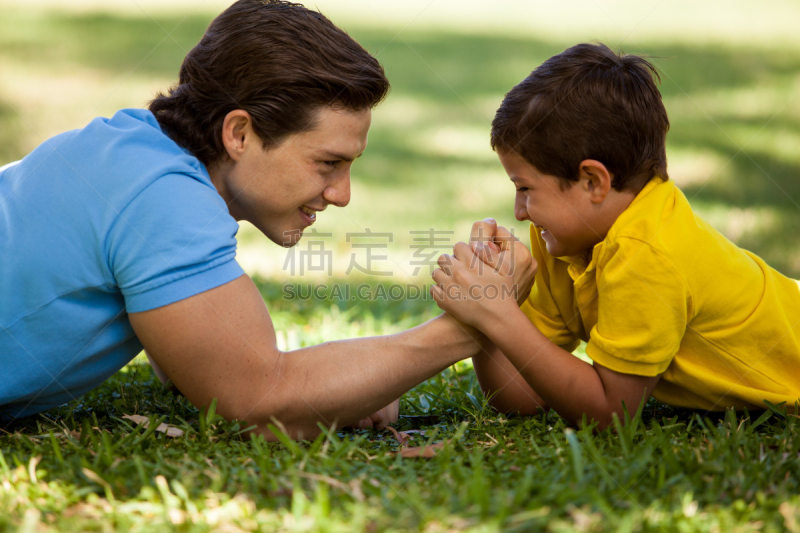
(276, 60)
(587, 103)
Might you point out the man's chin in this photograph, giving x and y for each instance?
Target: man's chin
(287, 239)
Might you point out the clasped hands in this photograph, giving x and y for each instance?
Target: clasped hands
(489, 277)
(486, 279)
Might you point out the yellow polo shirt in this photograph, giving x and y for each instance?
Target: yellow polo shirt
(664, 292)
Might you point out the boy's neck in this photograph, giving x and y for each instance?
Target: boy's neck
(617, 202)
(607, 213)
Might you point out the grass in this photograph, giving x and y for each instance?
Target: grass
(83, 467)
(732, 149)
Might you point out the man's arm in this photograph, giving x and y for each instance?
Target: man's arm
(221, 344)
(379, 419)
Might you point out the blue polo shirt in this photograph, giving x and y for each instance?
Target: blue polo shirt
(96, 223)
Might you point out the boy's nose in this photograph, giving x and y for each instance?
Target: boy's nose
(521, 209)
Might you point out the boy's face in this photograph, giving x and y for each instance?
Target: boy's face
(568, 219)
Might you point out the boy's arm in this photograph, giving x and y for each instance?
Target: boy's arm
(507, 390)
(570, 386)
(567, 384)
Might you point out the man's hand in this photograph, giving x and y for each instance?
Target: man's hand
(380, 419)
(487, 240)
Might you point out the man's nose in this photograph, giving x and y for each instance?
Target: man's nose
(338, 192)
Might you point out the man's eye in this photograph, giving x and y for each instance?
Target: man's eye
(330, 163)
(522, 189)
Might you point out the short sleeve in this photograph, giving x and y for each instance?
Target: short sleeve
(541, 307)
(174, 240)
(643, 308)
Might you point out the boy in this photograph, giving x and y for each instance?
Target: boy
(667, 305)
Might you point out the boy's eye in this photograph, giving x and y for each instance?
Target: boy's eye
(522, 189)
(330, 163)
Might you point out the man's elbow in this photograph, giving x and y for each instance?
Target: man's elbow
(271, 431)
(283, 414)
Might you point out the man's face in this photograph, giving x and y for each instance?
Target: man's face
(565, 218)
(281, 190)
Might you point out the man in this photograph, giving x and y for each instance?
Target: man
(121, 235)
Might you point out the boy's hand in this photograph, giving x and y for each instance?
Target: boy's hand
(488, 240)
(381, 419)
(471, 290)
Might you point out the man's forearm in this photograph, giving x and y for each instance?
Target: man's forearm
(344, 381)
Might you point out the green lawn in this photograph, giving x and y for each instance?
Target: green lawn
(84, 468)
(732, 147)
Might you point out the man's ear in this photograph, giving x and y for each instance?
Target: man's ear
(237, 132)
(596, 179)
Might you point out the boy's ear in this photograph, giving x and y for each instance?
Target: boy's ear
(596, 179)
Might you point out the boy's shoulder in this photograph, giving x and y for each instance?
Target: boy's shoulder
(659, 205)
(661, 224)
(660, 218)
(658, 233)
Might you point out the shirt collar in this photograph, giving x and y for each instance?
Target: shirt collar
(580, 264)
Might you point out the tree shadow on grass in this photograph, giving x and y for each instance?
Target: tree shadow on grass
(10, 127)
(435, 65)
(457, 76)
(382, 299)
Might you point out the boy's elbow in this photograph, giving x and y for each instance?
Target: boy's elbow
(515, 408)
(512, 402)
(603, 418)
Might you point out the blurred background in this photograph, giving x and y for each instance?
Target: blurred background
(730, 82)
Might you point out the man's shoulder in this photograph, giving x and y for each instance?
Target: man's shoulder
(119, 157)
(133, 137)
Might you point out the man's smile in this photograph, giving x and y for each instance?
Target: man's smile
(310, 213)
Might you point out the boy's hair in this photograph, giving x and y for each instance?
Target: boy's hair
(587, 103)
(276, 60)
